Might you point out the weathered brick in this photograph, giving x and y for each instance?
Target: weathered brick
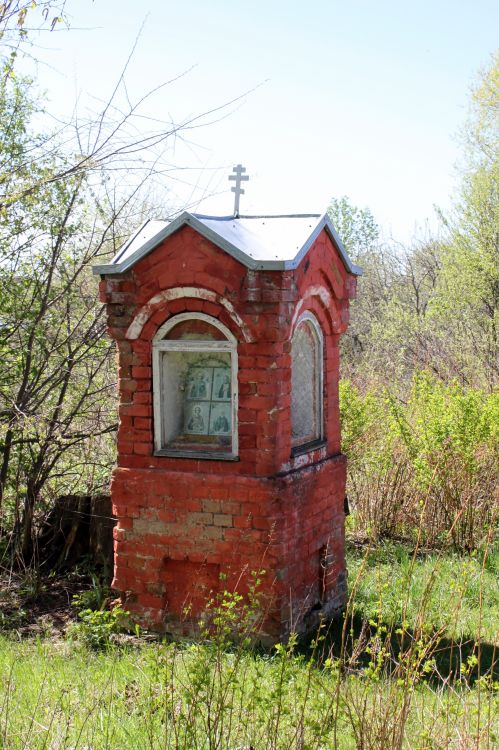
(212, 506)
(211, 532)
(141, 372)
(182, 521)
(201, 518)
(220, 519)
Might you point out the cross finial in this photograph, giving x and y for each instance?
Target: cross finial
(238, 190)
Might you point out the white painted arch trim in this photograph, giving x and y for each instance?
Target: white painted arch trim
(181, 292)
(327, 301)
(160, 347)
(181, 317)
(309, 318)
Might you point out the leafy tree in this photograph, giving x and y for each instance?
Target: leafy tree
(18, 18)
(359, 233)
(480, 134)
(357, 227)
(68, 199)
(56, 371)
(433, 305)
(466, 302)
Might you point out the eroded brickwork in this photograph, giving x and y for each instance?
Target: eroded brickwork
(183, 521)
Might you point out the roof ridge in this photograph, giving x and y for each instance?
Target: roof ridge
(258, 216)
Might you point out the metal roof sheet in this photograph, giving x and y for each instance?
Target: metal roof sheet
(259, 242)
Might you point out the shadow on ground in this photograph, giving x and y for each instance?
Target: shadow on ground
(453, 660)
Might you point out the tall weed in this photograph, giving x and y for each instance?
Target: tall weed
(380, 683)
(427, 462)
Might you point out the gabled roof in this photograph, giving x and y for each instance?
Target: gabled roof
(274, 243)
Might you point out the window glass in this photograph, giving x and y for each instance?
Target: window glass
(306, 385)
(197, 400)
(194, 366)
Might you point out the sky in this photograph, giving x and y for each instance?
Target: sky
(346, 97)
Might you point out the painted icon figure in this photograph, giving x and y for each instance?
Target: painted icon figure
(224, 390)
(221, 424)
(220, 419)
(198, 387)
(221, 384)
(196, 422)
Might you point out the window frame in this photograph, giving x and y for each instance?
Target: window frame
(318, 336)
(160, 347)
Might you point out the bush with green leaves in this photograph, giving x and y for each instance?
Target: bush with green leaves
(415, 667)
(431, 456)
(93, 598)
(98, 627)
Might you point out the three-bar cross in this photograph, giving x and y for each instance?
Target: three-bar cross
(238, 190)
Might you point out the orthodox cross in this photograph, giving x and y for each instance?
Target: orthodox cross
(238, 190)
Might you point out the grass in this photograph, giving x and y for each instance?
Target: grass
(464, 596)
(57, 693)
(59, 696)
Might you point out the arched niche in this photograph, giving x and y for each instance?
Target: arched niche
(307, 383)
(195, 388)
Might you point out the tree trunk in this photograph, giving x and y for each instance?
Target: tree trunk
(27, 523)
(77, 527)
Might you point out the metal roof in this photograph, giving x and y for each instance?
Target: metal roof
(274, 243)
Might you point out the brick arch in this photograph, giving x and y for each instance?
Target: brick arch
(194, 315)
(319, 300)
(314, 376)
(163, 313)
(198, 299)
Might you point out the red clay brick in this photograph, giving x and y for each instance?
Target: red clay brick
(228, 515)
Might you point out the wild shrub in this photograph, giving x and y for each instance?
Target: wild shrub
(386, 689)
(98, 623)
(430, 456)
(94, 598)
(98, 627)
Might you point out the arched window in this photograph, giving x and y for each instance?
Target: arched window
(306, 382)
(195, 388)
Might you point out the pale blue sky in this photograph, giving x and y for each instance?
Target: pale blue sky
(358, 98)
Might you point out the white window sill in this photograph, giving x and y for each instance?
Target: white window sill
(198, 455)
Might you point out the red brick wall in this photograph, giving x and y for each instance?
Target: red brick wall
(178, 531)
(183, 521)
